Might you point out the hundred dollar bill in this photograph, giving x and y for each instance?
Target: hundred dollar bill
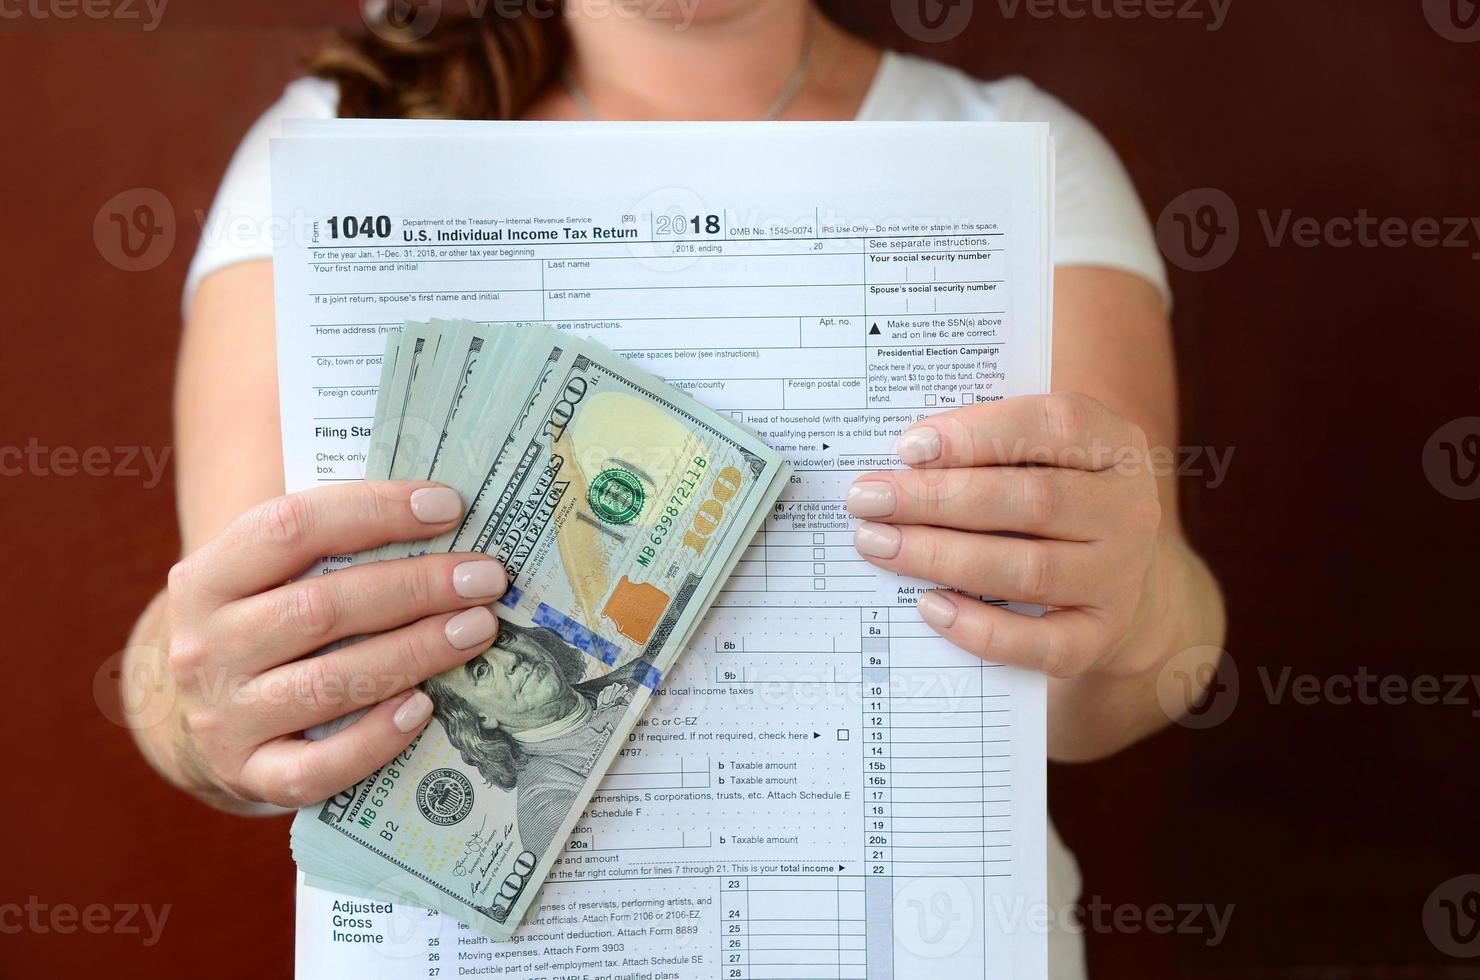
(425, 400)
(618, 505)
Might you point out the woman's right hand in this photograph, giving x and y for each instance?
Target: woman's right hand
(240, 633)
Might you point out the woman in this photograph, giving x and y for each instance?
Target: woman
(1106, 547)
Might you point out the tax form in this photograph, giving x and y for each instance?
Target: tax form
(823, 788)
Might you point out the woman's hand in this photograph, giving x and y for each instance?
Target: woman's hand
(238, 638)
(1043, 499)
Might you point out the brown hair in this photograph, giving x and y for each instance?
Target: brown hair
(445, 61)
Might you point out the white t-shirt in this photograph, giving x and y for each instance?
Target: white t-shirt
(1098, 221)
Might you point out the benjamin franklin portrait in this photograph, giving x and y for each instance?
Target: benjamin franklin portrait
(521, 714)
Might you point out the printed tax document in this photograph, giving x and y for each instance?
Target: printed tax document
(822, 788)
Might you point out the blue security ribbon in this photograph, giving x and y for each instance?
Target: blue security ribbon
(647, 675)
(577, 635)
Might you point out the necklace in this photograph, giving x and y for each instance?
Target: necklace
(783, 99)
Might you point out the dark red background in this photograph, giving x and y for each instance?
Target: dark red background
(1325, 370)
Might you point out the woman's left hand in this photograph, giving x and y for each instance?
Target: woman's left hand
(1041, 499)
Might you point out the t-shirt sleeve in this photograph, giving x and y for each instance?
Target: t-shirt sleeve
(1098, 219)
(239, 226)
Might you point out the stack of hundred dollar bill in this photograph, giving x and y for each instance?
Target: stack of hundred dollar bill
(618, 505)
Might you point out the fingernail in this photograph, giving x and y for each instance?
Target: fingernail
(877, 540)
(413, 712)
(436, 505)
(919, 445)
(937, 610)
(471, 627)
(479, 579)
(870, 499)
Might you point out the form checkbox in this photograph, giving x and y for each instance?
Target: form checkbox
(819, 552)
(968, 397)
(929, 401)
(817, 538)
(818, 584)
(842, 734)
(819, 569)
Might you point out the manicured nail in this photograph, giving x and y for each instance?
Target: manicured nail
(877, 540)
(870, 499)
(479, 580)
(436, 505)
(919, 445)
(413, 712)
(937, 610)
(471, 627)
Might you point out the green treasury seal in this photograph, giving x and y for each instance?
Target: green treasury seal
(616, 496)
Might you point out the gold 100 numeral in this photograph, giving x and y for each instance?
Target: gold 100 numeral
(712, 511)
